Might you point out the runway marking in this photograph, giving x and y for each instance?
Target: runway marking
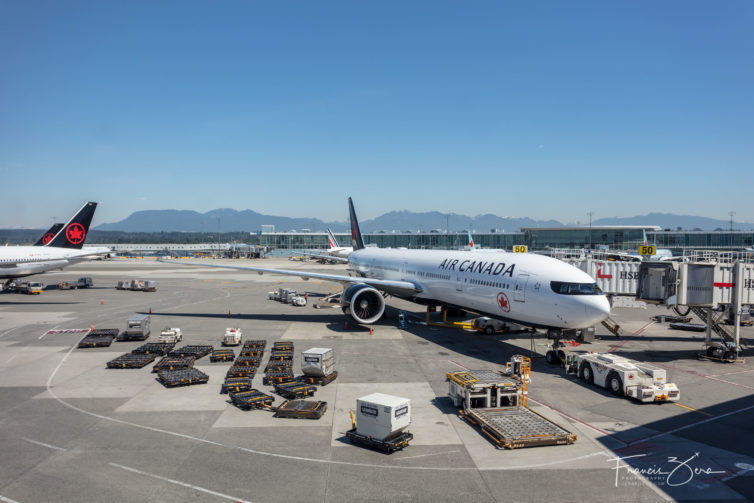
(179, 483)
(694, 410)
(7, 500)
(9, 331)
(523, 467)
(43, 444)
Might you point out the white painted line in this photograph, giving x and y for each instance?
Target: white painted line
(43, 444)
(7, 500)
(426, 455)
(179, 483)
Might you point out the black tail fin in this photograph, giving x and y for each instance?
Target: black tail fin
(356, 240)
(74, 232)
(47, 236)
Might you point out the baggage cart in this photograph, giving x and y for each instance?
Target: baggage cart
(255, 344)
(222, 355)
(236, 384)
(278, 378)
(276, 355)
(292, 390)
(197, 351)
(92, 340)
(515, 427)
(156, 348)
(131, 361)
(282, 346)
(319, 381)
(112, 332)
(277, 366)
(255, 352)
(174, 363)
(185, 377)
(248, 361)
(241, 372)
(301, 409)
(252, 399)
(128, 337)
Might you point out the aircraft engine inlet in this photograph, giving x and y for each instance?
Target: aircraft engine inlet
(364, 303)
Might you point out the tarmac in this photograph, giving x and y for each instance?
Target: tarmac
(75, 431)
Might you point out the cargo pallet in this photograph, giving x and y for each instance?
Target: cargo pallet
(131, 361)
(259, 344)
(301, 409)
(252, 399)
(96, 341)
(387, 446)
(222, 355)
(241, 372)
(248, 361)
(251, 352)
(281, 356)
(515, 427)
(124, 337)
(693, 327)
(282, 346)
(173, 363)
(667, 318)
(111, 332)
(157, 348)
(278, 378)
(191, 350)
(278, 366)
(319, 381)
(186, 377)
(293, 390)
(236, 384)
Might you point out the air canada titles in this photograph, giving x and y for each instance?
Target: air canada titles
(477, 266)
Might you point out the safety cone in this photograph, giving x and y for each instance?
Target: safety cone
(150, 310)
(346, 324)
(371, 330)
(228, 313)
(92, 327)
(102, 301)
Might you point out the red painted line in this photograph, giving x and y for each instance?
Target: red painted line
(638, 332)
(724, 285)
(456, 363)
(577, 420)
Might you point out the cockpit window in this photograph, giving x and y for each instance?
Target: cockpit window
(575, 288)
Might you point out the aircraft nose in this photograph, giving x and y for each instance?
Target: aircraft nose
(598, 309)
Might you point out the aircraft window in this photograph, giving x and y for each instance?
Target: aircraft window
(575, 288)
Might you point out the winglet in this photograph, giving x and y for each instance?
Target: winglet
(332, 240)
(47, 236)
(73, 233)
(356, 240)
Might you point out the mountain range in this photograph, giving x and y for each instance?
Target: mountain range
(230, 220)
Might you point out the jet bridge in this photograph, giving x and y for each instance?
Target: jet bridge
(704, 287)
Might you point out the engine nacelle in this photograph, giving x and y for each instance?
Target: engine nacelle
(363, 303)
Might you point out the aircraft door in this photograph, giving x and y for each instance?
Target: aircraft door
(459, 283)
(520, 292)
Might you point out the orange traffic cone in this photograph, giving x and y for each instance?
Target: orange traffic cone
(371, 330)
(102, 301)
(92, 327)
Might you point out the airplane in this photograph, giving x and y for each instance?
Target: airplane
(65, 248)
(526, 289)
(47, 236)
(335, 253)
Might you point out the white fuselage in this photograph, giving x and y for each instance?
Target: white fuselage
(20, 261)
(511, 286)
(340, 251)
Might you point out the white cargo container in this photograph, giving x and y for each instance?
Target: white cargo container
(382, 416)
(318, 362)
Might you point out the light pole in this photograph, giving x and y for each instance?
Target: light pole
(590, 230)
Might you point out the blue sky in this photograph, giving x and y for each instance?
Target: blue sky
(547, 109)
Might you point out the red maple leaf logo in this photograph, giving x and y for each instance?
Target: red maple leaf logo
(75, 233)
(502, 301)
(47, 238)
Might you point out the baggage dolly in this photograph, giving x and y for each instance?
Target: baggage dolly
(388, 446)
(301, 409)
(319, 381)
(294, 390)
(252, 399)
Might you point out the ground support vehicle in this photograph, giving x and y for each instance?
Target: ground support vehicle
(278, 377)
(623, 377)
(66, 285)
(174, 363)
(222, 355)
(197, 351)
(293, 390)
(236, 384)
(301, 409)
(668, 318)
(131, 361)
(85, 282)
(155, 348)
(123, 285)
(232, 337)
(169, 334)
(518, 426)
(185, 377)
(252, 399)
(489, 325)
(30, 287)
(721, 351)
(691, 327)
(319, 381)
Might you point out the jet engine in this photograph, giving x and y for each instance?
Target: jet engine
(364, 303)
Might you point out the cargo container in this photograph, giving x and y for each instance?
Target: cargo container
(382, 416)
(139, 325)
(317, 362)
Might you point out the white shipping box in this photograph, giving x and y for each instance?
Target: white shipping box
(381, 416)
(317, 362)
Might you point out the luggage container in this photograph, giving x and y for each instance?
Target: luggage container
(196, 351)
(236, 384)
(131, 361)
(388, 445)
(174, 363)
(317, 362)
(478, 389)
(319, 381)
(185, 377)
(294, 390)
(301, 409)
(252, 399)
(222, 355)
(156, 348)
(382, 416)
(137, 328)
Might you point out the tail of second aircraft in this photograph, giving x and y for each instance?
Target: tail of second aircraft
(47, 236)
(356, 240)
(471, 241)
(331, 239)
(73, 233)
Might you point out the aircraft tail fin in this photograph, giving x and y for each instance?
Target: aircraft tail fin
(644, 234)
(471, 241)
(47, 236)
(356, 240)
(73, 233)
(331, 239)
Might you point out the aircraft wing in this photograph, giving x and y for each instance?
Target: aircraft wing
(402, 288)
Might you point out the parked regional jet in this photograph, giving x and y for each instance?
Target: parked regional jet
(65, 248)
(526, 289)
